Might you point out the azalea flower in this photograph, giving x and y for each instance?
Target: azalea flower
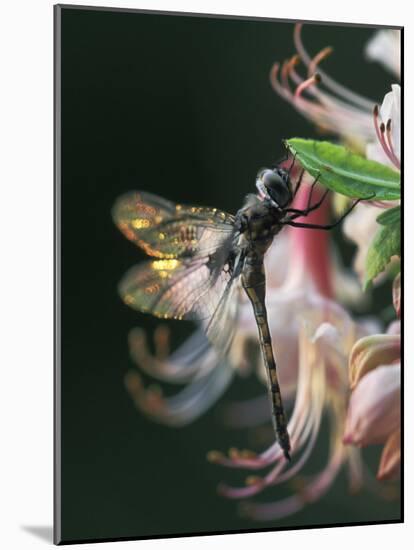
(319, 98)
(333, 107)
(357, 120)
(374, 414)
(386, 149)
(361, 225)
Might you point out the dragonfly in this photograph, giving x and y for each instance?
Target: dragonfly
(204, 258)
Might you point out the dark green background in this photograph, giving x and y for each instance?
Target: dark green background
(180, 106)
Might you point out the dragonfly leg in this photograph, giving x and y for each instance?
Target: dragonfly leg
(292, 164)
(326, 227)
(315, 181)
(298, 184)
(298, 213)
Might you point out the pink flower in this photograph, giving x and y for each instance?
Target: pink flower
(361, 225)
(374, 414)
(386, 149)
(390, 462)
(374, 409)
(333, 107)
(339, 110)
(319, 98)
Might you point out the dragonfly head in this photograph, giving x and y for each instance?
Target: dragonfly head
(274, 184)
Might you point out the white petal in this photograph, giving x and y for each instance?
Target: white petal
(374, 151)
(360, 227)
(385, 47)
(391, 109)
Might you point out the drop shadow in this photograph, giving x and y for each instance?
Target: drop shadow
(44, 532)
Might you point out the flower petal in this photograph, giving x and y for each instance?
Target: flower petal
(391, 110)
(360, 227)
(396, 294)
(385, 47)
(370, 352)
(375, 407)
(390, 462)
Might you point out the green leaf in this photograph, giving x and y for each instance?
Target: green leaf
(393, 215)
(386, 243)
(345, 172)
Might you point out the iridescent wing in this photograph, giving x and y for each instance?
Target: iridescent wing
(195, 277)
(167, 230)
(174, 288)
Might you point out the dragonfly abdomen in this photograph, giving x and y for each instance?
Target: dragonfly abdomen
(254, 283)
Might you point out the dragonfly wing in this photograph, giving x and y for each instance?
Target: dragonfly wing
(175, 288)
(167, 230)
(222, 324)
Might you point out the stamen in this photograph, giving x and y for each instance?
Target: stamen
(215, 456)
(323, 54)
(380, 131)
(154, 401)
(390, 145)
(312, 81)
(274, 81)
(133, 384)
(329, 82)
(234, 453)
(247, 453)
(288, 70)
(376, 125)
(162, 342)
(292, 63)
(386, 147)
(294, 60)
(321, 111)
(295, 77)
(149, 399)
(285, 75)
(253, 480)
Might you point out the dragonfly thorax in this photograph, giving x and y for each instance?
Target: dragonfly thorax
(259, 221)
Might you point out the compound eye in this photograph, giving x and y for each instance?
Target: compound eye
(277, 187)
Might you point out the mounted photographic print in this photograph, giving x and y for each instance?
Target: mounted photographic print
(228, 288)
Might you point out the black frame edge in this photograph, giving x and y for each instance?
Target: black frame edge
(227, 16)
(57, 511)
